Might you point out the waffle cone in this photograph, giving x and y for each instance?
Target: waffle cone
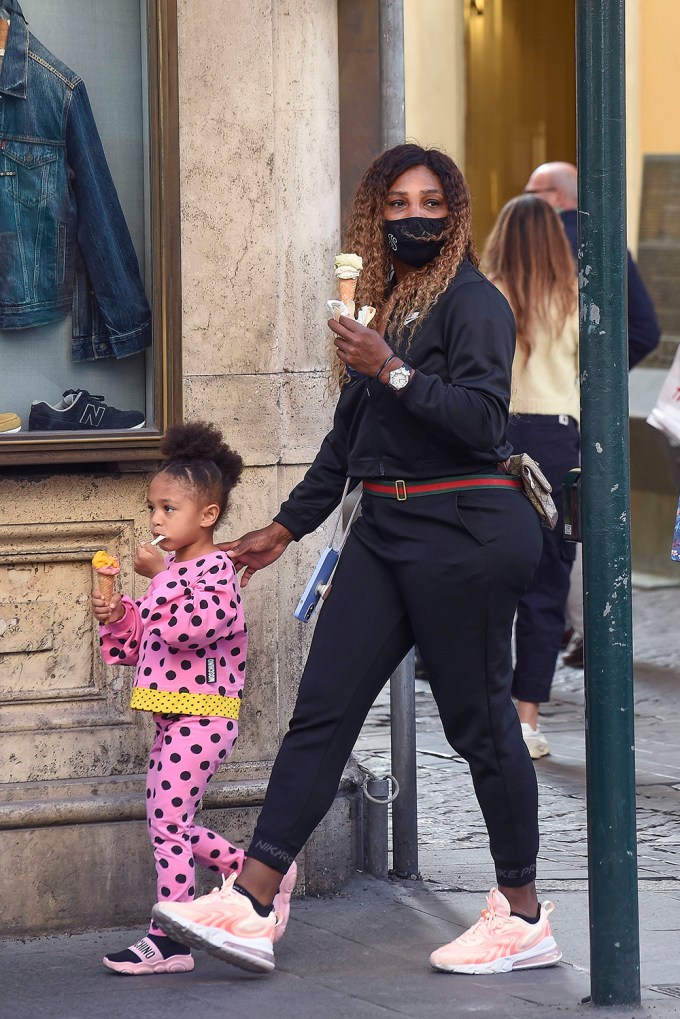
(348, 289)
(106, 585)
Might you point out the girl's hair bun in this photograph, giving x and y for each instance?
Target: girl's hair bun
(193, 451)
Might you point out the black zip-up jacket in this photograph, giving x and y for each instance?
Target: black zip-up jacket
(450, 419)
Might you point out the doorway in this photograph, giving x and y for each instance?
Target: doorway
(521, 97)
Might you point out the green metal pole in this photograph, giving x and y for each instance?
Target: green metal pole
(610, 762)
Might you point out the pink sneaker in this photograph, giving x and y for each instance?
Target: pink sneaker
(144, 958)
(498, 942)
(223, 923)
(282, 901)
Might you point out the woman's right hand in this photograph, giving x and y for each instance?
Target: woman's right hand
(257, 549)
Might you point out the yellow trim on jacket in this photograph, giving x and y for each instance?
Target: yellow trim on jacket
(170, 702)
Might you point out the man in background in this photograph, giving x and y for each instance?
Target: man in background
(556, 183)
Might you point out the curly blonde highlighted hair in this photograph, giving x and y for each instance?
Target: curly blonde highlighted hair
(420, 290)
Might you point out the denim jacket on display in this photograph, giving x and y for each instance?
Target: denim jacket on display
(64, 243)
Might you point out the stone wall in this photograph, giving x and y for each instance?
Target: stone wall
(260, 213)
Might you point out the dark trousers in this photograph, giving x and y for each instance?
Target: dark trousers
(554, 443)
(445, 571)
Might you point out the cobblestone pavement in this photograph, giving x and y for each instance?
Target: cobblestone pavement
(448, 813)
(362, 953)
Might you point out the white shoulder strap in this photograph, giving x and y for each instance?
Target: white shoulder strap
(348, 526)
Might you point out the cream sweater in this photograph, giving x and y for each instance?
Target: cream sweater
(548, 382)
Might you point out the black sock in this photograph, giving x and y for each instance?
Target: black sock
(528, 919)
(167, 946)
(257, 906)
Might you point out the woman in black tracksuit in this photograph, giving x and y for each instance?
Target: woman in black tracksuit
(444, 548)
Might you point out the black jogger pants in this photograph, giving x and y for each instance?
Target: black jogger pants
(446, 572)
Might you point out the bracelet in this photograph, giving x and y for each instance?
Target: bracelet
(383, 365)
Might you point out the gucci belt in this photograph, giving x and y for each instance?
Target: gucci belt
(403, 490)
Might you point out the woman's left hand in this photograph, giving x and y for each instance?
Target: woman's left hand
(359, 347)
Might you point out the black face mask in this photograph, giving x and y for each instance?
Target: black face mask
(410, 240)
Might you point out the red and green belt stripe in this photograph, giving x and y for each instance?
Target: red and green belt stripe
(403, 490)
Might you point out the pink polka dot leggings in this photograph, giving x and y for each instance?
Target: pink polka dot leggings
(186, 753)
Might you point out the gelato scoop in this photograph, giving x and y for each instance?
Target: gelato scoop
(107, 564)
(348, 266)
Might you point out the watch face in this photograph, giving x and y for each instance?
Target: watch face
(400, 377)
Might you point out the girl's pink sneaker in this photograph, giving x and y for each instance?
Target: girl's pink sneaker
(144, 958)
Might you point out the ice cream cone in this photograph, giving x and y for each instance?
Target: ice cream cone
(347, 290)
(106, 585)
(107, 568)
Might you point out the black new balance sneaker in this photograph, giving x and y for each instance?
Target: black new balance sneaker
(79, 411)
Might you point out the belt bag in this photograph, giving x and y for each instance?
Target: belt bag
(536, 486)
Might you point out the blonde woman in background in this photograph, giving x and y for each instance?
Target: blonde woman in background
(529, 259)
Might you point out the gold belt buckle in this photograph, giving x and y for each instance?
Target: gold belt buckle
(400, 490)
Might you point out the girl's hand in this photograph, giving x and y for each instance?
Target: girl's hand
(361, 348)
(107, 611)
(257, 549)
(148, 561)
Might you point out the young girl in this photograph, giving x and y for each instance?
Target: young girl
(187, 638)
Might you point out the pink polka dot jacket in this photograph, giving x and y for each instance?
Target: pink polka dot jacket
(187, 637)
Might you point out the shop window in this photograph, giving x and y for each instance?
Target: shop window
(90, 302)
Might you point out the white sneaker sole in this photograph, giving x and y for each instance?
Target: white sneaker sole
(175, 964)
(132, 428)
(253, 954)
(546, 953)
(10, 431)
(537, 750)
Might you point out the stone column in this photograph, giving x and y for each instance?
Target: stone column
(260, 165)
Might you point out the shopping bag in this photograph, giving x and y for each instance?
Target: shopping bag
(666, 413)
(675, 547)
